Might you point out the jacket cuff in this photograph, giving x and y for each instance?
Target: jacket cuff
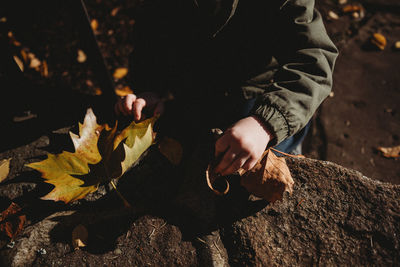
(274, 121)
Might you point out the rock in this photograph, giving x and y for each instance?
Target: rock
(335, 216)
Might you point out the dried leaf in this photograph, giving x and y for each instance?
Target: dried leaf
(120, 73)
(352, 8)
(10, 223)
(79, 237)
(44, 69)
(81, 56)
(397, 45)
(115, 11)
(211, 177)
(94, 24)
(35, 62)
(269, 178)
(379, 41)
(100, 155)
(171, 149)
(390, 152)
(19, 63)
(4, 169)
(126, 90)
(333, 15)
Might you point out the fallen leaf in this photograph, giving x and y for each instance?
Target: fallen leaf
(115, 11)
(123, 91)
(120, 73)
(352, 8)
(81, 56)
(171, 149)
(333, 15)
(269, 178)
(10, 223)
(397, 45)
(19, 63)
(342, 2)
(4, 169)
(44, 69)
(3, 19)
(379, 41)
(79, 237)
(390, 152)
(34, 61)
(97, 91)
(94, 24)
(100, 156)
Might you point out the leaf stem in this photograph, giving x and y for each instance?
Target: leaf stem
(126, 203)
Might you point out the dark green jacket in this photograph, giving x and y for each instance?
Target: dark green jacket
(276, 51)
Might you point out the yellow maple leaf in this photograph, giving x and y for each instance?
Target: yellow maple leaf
(100, 156)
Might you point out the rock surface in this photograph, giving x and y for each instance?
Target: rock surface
(335, 216)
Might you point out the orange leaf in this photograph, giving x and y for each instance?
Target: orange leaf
(390, 152)
(379, 41)
(94, 24)
(123, 91)
(11, 224)
(269, 178)
(120, 73)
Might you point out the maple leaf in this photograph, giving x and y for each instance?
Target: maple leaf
(4, 169)
(390, 152)
(269, 178)
(100, 156)
(10, 223)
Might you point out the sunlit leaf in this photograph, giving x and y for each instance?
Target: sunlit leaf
(100, 155)
(81, 56)
(390, 152)
(269, 178)
(4, 169)
(120, 73)
(19, 63)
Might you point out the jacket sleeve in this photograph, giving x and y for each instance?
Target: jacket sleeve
(305, 56)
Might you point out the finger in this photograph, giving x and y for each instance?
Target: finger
(226, 161)
(221, 145)
(249, 164)
(235, 165)
(128, 102)
(138, 106)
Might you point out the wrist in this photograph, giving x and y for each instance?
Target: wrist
(264, 126)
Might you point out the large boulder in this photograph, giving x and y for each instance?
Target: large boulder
(335, 216)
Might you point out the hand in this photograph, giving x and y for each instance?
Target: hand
(242, 145)
(134, 105)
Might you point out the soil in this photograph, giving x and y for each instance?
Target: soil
(362, 114)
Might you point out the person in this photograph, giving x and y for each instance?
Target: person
(257, 69)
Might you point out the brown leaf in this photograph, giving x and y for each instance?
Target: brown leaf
(19, 63)
(269, 178)
(171, 149)
(115, 11)
(94, 24)
(44, 70)
(211, 177)
(123, 91)
(379, 41)
(79, 236)
(4, 169)
(120, 73)
(390, 152)
(11, 224)
(81, 56)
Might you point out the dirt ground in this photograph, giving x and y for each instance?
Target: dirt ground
(361, 114)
